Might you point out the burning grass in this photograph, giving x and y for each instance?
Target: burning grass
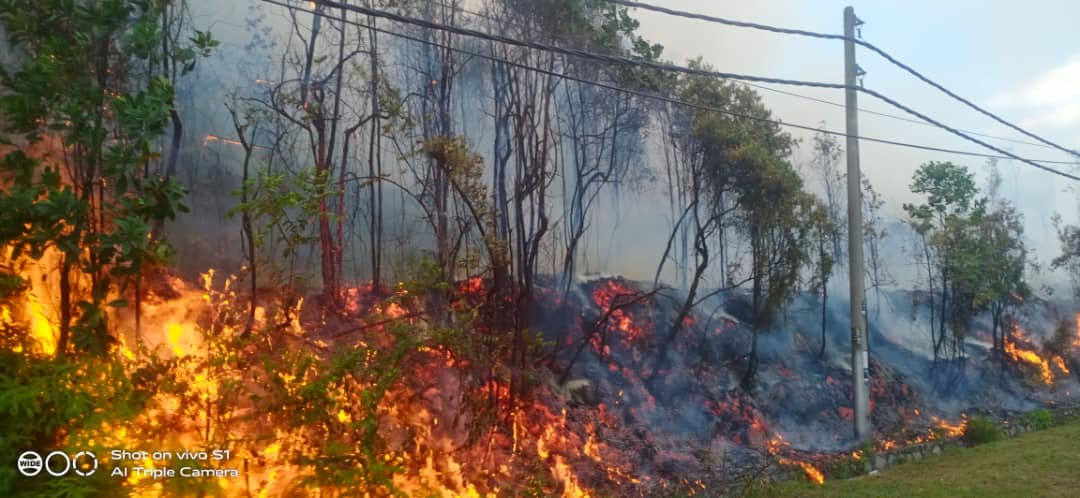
(1041, 463)
(316, 400)
(1045, 367)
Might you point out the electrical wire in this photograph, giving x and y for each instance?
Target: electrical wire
(729, 22)
(862, 43)
(670, 67)
(651, 96)
(894, 116)
(489, 18)
(573, 52)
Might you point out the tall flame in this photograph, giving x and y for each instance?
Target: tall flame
(1030, 357)
(42, 329)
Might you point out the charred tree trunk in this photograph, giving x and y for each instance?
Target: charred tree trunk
(756, 305)
(246, 223)
(375, 162)
(702, 252)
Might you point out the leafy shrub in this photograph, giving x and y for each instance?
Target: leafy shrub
(981, 430)
(1040, 419)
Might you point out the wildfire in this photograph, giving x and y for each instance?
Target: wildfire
(812, 474)
(1060, 364)
(395, 310)
(1030, 357)
(950, 429)
(554, 437)
(474, 286)
(606, 297)
(777, 444)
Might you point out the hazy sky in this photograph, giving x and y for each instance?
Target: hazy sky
(1019, 59)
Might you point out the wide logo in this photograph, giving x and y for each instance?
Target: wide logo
(58, 463)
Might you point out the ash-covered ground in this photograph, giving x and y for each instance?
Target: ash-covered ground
(689, 415)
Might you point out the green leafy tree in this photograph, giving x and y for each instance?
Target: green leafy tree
(81, 125)
(1002, 280)
(948, 225)
(823, 234)
(740, 188)
(95, 204)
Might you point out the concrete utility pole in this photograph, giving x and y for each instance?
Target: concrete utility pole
(860, 361)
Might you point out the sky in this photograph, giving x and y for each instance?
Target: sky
(1020, 60)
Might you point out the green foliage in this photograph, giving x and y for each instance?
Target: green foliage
(282, 209)
(1069, 259)
(74, 85)
(69, 405)
(977, 246)
(1060, 342)
(981, 430)
(1040, 419)
(333, 404)
(950, 191)
(92, 205)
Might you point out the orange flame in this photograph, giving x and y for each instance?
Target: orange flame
(812, 473)
(1030, 357)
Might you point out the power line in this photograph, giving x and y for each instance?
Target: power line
(730, 22)
(584, 54)
(961, 134)
(782, 92)
(862, 43)
(489, 18)
(652, 96)
(663, 67)
(894, 116)
(989, 114)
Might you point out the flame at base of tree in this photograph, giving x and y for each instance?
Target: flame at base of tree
(1042, 365)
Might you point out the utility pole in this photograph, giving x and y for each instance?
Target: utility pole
(860, 361)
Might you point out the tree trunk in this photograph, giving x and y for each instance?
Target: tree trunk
(65, 306)
(824, 307)
(375, 163)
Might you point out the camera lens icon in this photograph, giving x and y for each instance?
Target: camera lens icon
(57, 464)
(30, 464)
(84, 463)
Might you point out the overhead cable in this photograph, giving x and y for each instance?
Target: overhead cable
(860, 42)
(665, 67)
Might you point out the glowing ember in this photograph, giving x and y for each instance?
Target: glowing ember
(473, 286)
(395, 310)
(610, 295)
